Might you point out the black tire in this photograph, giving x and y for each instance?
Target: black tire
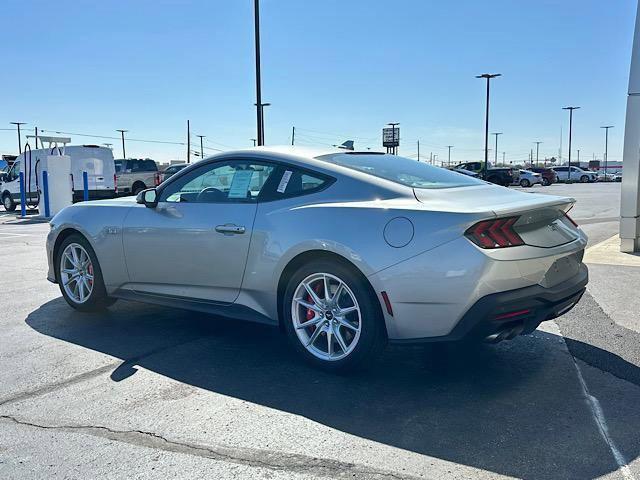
(98, 299)
(8, 203)
(545, 182)
(373, 336)
(584, 179)
(138, 187)
(524, 183)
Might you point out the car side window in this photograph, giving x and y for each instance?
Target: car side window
(14, 173)
(290, 181)
(220, 182)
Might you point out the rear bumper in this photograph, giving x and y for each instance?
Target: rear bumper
(514, 312)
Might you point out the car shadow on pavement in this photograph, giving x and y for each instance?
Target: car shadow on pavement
(515, 409)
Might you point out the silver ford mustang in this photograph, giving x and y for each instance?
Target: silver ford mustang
(344, 250)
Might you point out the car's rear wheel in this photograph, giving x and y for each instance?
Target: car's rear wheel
(138, 187)
(332, 317)
(545, 182)
(525, 183)
(79, 275)
(8, 203)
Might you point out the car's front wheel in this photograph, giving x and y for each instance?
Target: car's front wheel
(332, 317)
(524, 183)
(584, 179)
(9, 204)
(79, 275)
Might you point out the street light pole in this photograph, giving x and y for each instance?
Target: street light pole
(17, 124)
(449, 156)
(488, 76)
(571, 109)
(495, 161)
(124, 152)
(201, 147)
(254, 141)
(537, 151)
(606, 149)
(259, 104)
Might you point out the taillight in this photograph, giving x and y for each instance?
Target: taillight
(157, 179)
(115, 183)
(498, 233)
(573, 222)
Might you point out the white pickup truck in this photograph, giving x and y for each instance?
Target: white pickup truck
(135, 174)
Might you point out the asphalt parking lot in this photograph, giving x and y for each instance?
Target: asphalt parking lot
(153, 392)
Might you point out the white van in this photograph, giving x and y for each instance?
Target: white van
(95, 160)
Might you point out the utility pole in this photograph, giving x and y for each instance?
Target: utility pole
(430, 158)
(578, 157)
(124, 152)
(259, 105)
(201, 147)
(606, 149)
(496, 152)
(488, 76)
(571, 109)
(188, 142)
(36, 130)
(254, 141)
(537, 151)
(293, 135)
(418, 150)
(17, 124)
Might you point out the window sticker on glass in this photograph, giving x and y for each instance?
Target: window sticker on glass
(240, 184)
(286, 176)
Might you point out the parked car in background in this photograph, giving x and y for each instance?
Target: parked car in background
(549, 176)
(172, 170)
(136, 174)
(528, 178)
(344, 251)
(504, 176)
(605, 177)
(617, 177)
(577, 175)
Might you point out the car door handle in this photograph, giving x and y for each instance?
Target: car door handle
(230, 229)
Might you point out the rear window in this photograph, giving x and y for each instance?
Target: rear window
(402, 170)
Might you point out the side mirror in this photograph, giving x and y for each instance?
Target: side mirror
(148, 197)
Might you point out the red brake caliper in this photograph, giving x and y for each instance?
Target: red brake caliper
(318, 289)
(90, 270)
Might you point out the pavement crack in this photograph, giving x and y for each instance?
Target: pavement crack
(260, 458)
(17, 397)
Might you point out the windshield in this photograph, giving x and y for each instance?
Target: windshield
(402, 170)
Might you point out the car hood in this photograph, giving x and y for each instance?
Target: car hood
(488, 199)
(111, 202)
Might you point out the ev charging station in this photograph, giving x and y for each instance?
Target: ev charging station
(54, 183)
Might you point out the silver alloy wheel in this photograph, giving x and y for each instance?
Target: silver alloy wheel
(76, 273)
(7, 202)
(326, 316)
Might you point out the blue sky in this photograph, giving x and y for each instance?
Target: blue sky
(334, 69)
